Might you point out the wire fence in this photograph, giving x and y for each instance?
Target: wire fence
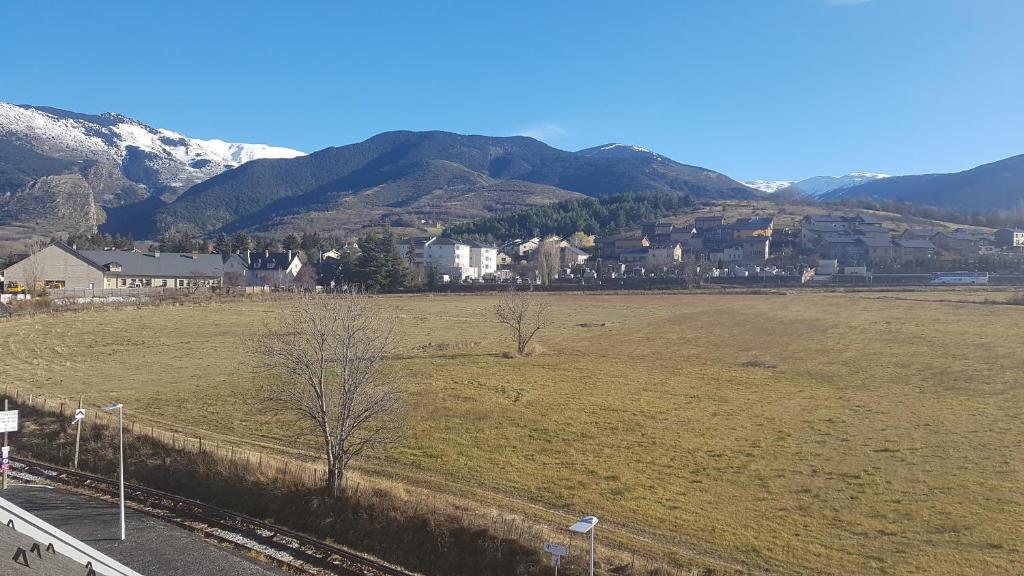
(292, 469)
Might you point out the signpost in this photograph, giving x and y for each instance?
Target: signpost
(79, 416)
(8, 420)
(8, 423)
(557, 551)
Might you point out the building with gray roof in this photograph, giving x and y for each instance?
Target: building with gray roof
(59, 266)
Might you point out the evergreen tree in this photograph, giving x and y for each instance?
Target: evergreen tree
(380, 267)
(291, 242)
(222, 244)
(241, 241)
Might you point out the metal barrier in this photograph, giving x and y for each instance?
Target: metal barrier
(61, 542)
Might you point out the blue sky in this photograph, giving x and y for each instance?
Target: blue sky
(752, 88)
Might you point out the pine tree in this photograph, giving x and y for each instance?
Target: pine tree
(223, 244)
(380, 267)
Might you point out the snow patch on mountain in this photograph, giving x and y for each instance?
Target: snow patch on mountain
(619, 150)
(630, 147)
(820, 185)
(768, 186)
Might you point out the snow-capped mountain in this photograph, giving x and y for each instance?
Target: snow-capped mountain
(616, 150)
(125, 159)
(820, 185)
(769, 186)
(62, 171)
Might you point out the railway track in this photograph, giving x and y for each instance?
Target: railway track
(291, 549)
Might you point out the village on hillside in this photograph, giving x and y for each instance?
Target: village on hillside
(710, 249)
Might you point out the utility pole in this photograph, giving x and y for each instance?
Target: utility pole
(6, 448)
(120, 468)
(78, 433)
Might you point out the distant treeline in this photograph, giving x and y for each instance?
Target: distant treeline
(590, 215)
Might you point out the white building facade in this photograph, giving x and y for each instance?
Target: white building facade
(460, 260)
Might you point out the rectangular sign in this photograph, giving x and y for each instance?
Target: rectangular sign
(8, 420)
(554, 549)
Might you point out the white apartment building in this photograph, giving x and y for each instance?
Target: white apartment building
(460, 260)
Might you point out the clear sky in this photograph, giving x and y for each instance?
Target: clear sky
(753, 88)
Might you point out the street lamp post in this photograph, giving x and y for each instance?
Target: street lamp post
(586, 525)
(120, 466)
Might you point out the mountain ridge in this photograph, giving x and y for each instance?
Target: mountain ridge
(432, 164)
(995, 185)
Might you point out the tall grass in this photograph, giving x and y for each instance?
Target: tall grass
(369, 518)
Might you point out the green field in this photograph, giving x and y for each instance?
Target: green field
(812, 433)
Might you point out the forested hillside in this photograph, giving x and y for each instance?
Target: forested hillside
(589, 215)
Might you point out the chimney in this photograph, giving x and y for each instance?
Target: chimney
(289, 256)
(266, 253)
(248, 256)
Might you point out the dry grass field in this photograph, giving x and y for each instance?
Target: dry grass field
(810, 433)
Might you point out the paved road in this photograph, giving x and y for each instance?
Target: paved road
(153, 548)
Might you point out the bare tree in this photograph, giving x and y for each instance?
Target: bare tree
(33, 268)
(524, 315)
(233, 280)
(329, 357)
(548, 257)
(305, 279)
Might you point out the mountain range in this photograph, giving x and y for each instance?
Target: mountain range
(60, 170)
(995, 186)
(433, 175)
(818, 185)
(64, 172)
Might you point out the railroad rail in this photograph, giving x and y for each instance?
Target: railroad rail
(287, 547)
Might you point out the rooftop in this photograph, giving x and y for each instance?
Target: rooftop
(912, 243)
(170, 264)
(874, 241)
(753, 223)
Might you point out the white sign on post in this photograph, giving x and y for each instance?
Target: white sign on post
(79, 415)
(554, 549)
(8, 420)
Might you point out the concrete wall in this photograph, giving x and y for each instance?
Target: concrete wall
(54, 263)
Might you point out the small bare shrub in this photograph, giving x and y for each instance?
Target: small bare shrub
(447, 346)
(1016, 299)
(759, 363)
(33, 306)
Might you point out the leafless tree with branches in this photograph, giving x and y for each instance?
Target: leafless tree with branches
(33, 268)
(329, 359)
(524, 315)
